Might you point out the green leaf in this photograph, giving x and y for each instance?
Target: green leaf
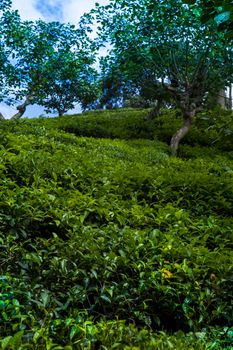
(222, 17)
(105, 298)
(17, 339)
(45, 298)
(73, 331)
(6, 341)
(36, 336)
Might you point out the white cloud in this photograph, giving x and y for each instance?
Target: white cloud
(27, 9)
(60, 10)
(74, 9)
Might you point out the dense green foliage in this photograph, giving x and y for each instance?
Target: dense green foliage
(112, 243)
(50, 64)
(162, 52)
(164, 44)
(221, 11)
(211, 128)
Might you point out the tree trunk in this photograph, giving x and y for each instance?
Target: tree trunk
(22, 108)
(60, 112)
(230, 97)
(154, 112)
(221, 98)
(188, 117)
(1, 116)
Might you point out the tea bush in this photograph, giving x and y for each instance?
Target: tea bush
(211, 128)
(114, 244)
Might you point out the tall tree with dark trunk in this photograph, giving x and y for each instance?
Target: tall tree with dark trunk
(189, 59)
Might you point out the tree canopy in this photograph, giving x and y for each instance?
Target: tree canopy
(168, 42)
(46, 63)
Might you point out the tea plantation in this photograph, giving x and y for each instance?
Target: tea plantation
(109, 242)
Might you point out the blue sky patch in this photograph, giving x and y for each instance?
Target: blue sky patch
(50, 9)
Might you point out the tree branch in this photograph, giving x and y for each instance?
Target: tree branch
(1, 116)
(22, 108)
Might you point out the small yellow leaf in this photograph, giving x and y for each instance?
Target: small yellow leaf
(167, 274)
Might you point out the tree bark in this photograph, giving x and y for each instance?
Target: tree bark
(1, 116)
(188, 117)
(221, 98)
(61, 112)
(230, 97)
(22, 108)
(154, 112)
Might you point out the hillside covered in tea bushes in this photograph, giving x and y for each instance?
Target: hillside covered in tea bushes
(109, 242)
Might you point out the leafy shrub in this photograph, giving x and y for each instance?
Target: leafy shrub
(113, 243)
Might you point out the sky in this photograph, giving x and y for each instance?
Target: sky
(49, 10)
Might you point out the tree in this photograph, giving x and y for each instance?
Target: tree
(8, 77)
(135, 82)
(113, 83)
(45, 63)
(188, 58)
(220, 12)
(5, 5)
(67, 77)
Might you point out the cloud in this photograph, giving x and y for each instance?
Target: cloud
(55, 10)
(27, 9)
(50, 9)
(74, 9)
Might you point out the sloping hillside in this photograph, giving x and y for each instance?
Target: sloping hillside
(108, 242)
